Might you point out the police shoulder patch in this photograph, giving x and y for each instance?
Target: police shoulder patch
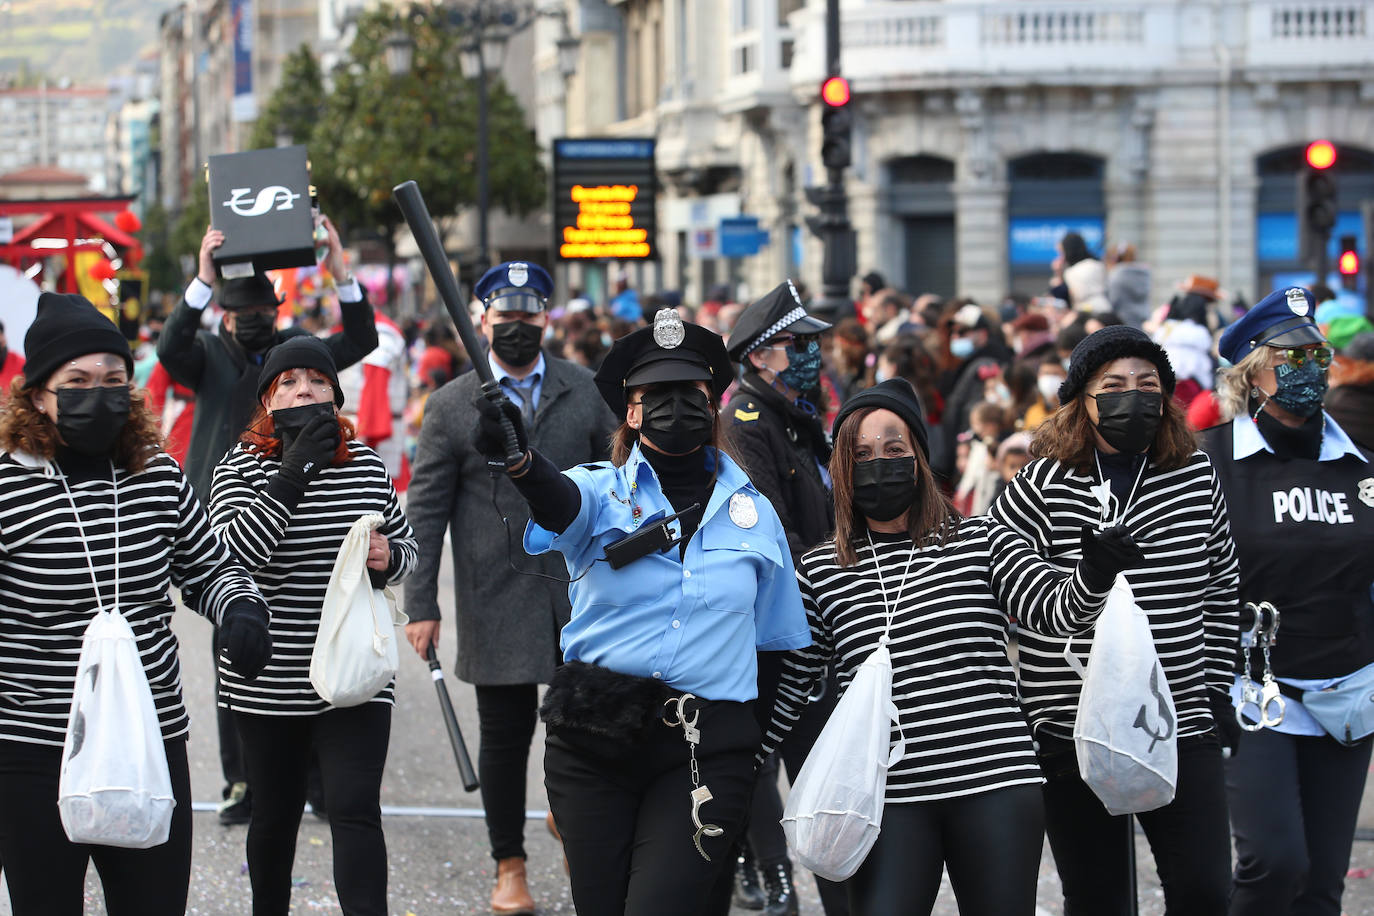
(746, 414)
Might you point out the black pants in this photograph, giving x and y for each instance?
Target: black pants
(810, 721)
(352, 745)
(626, 813)
(1189, 837)
(507, 715)
(47, 872)
(1294, 802)
(1003, 829)
(765, 816)
(230, 751)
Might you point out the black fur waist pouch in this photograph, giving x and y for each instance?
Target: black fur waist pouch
(593, 702)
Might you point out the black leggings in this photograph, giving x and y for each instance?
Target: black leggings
(1005, 827)
(352, 745)
(1294, 802)
(507, 715)
(625, 813)
(1189, 837)
(47, 872)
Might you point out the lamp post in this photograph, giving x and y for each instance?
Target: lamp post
(489, 25)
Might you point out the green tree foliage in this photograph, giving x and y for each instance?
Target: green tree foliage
(161, 262)
(293, 110)
(385, 129)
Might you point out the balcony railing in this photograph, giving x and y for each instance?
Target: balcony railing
(889, 41)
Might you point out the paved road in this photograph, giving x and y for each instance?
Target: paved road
(439, 861)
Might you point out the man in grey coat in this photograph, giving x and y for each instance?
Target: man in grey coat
(508, 623)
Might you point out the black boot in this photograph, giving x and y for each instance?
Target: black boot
(748, 893)
(782, 896)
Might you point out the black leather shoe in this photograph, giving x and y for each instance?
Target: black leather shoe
(748, 893)
(238, 807)
(782, 895)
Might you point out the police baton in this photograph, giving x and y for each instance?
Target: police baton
(416, 214)
(455, 734)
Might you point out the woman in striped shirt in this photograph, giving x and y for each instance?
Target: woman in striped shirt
(94, 515)
(1119, 428)
(283, 499)
(967, 790)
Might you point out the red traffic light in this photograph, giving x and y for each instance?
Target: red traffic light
(1350, 263)
(835, 92)
(1321, 154)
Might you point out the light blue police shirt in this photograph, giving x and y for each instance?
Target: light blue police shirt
(1246, 440)
(693, 623)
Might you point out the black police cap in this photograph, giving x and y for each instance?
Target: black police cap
(770, 315)
(670, 351)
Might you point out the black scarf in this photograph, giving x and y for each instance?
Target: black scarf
(685, 480)
(1289, 442)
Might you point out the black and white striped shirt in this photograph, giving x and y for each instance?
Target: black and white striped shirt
(291, 555)
(951, 679)
(1187, 585)
(47, 598)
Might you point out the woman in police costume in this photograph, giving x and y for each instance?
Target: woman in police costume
(1301, 497)
(680, 573)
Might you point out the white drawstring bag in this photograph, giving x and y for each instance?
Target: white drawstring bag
(114, 788)
(834, 811)
(1125, 733)
(356, 653)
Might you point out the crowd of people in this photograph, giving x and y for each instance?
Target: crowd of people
(705, 518)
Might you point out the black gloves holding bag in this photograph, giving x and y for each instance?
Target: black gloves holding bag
(1107, 553)
(243, 638)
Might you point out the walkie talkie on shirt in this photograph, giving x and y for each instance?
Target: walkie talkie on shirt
(649, 539)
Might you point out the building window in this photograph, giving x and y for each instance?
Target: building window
(744, 15)
(744, 59)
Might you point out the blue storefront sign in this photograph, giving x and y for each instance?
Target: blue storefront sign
(741, 237)
(1031, 240)
(1276, 236)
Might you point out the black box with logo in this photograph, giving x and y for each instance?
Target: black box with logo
(260, 200)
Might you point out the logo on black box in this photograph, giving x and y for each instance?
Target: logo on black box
(268, 196)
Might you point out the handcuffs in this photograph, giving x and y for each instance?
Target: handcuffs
(700, 794)
(1265, 695)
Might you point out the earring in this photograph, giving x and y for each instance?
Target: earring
(1255, 391)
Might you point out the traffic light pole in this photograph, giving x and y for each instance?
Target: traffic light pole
(832, 226)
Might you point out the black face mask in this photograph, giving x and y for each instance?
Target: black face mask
(255, 331)
(677, 418)
(289, 421)
(516, 343)
(884, 488)
(90, 420)
(1128, 420)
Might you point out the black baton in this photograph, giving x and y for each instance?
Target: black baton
(413, 208)
(455, 734)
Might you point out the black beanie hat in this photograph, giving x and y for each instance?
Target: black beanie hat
(299, 352)
(1113, 342)
(68, 326)
(896, 395)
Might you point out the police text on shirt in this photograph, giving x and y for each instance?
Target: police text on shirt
(1309, 504)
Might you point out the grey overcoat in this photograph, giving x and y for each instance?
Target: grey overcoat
(508, 624)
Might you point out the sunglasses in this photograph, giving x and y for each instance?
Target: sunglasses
(801, 343)
(1297, 356)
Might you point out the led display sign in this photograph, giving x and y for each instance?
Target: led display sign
(603, 199)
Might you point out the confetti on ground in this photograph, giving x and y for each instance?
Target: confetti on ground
(316, 841)
(299, 882)
(1360, 873)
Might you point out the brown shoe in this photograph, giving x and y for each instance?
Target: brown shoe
(553, 829)
(511, 896)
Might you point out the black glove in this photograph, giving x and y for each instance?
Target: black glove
(243, 638)
(1224, 717)
(312, 450)
(1107, 553)
(489, 437)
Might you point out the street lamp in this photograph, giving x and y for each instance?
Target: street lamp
(489, 25)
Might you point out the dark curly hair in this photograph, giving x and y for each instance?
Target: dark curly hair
(24, 429)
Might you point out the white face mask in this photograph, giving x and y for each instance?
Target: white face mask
(1049, 386)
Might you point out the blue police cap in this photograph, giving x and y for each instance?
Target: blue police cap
(1284, 318)
(515, 286)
